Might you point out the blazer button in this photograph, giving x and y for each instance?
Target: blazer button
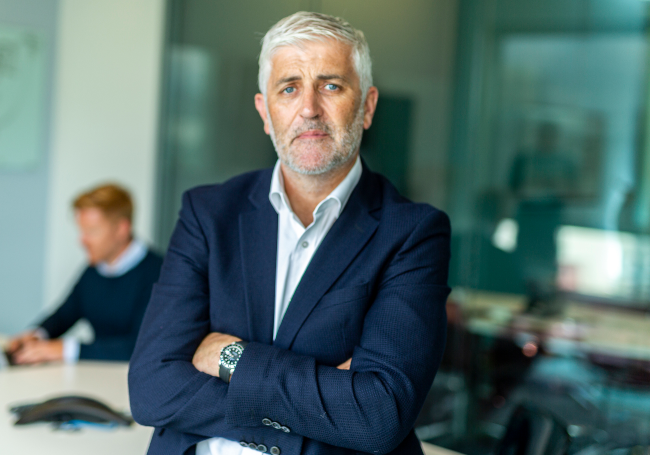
(266, 421)
(275, 451)
(243, 443)
(276, 425)
(262, 448)
(253, 446)
(285, 429)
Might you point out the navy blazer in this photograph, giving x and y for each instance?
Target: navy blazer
(375, 291)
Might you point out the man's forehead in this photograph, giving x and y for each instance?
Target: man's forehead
(94, 215)
(312, 55)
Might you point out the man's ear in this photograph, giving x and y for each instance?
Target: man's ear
(124, 228)
(370, 106)
(260, 105)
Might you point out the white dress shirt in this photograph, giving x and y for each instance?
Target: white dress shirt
(126, 261)
(296, 246)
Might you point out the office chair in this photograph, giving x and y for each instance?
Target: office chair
(625, 396)
(533, 431)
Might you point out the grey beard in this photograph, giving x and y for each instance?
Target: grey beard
(340, 153)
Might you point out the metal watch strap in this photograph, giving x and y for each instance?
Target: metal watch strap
(224, 372)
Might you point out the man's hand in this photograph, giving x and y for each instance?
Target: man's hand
(39, 351)
(206, 357)
(17, 342)
(345, 365)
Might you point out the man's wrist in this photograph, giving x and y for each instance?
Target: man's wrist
(229, 357)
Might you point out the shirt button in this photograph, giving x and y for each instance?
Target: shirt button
(275, 450)
(304, 244)
(266, 421)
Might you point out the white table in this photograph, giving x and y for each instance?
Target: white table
(430, 449)
(105, 381)
(579, 330)
(102, 380)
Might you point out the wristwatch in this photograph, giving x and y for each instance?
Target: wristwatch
(228, 359)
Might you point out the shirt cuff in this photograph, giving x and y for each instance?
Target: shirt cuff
(71, 348)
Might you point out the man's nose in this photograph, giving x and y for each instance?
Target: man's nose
(311, 106)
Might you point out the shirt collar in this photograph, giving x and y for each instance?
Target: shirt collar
(340, 194)
(131, 257)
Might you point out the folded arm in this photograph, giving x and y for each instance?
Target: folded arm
(373, 406)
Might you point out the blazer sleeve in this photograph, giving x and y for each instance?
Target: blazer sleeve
(165, 389)
(373, 406)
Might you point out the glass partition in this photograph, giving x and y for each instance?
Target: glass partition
(548, 196)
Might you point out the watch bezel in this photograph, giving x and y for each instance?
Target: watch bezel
(228, 362)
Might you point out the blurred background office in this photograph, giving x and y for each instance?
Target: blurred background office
(525, 120)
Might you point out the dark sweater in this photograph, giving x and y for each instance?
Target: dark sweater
(114, 306)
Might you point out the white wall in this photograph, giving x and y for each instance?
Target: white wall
(106, 104)
(23, 191)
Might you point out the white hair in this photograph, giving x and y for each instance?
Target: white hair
(305, 26)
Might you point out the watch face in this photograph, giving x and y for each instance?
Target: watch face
(230, 355)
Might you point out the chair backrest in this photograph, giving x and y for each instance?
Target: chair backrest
(533, 431)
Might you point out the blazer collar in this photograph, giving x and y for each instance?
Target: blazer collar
(347, 237)
(367, 191)
(258, 231)
(259, 235)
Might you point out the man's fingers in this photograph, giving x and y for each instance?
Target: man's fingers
(16, 343)
(345, 365)
(26, 354)
(35, 351)
(13, 346)
(32, 352)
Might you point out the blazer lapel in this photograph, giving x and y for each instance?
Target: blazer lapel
(258, 230)
(347, 237)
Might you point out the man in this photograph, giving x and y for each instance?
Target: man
(111, 294)
(300, 310)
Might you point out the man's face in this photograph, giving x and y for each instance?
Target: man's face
(313, 108)
(103, 238)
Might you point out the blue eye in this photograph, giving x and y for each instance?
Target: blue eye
(289, 90)
(331, 87)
